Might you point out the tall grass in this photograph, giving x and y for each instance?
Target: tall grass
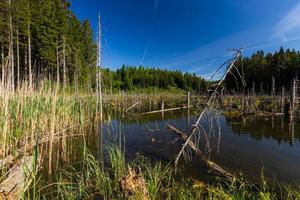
(45, 113)
(96, 181)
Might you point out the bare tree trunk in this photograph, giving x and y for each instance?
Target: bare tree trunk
(29, 57)
(57, 66)
(76, 74)
(26, 64)
(18, 60)
(213, 93)
(64, 64)
(111, 88)
(11, 48)
(3, 70)
(99, 67)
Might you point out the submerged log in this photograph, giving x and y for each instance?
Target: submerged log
(18, 179)
(210, 164)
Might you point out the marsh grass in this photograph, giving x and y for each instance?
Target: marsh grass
(27, 118)
(45, 113)
(96, 181)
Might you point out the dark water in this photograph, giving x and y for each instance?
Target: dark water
(246, 146)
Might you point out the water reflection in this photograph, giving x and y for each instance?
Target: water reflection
(259, 128)
(245, 145)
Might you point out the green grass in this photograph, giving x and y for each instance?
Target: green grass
(25, 115)
(95, 180)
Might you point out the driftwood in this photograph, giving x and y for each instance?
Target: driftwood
(164, 110)
(210, 164)
(18, 179)
(135, 104)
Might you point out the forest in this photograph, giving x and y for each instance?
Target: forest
(128, 78)
(44, 40)
(260, 69)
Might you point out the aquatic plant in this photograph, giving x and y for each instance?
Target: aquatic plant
(96, 181)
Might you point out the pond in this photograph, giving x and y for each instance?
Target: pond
(247, 146)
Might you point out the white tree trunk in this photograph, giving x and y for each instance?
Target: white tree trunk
(11, 48)
(99, 68)
(64, 64)
(57, 66)
(29, 57)
(18, 60)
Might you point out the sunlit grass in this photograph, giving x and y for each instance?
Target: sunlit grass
(95, 180)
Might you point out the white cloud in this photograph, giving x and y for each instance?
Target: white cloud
(289, 24)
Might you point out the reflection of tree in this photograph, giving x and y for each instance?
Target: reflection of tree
(260, 128)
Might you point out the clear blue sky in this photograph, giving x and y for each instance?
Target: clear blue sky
(189, 35)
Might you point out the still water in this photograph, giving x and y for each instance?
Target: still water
(245, 146)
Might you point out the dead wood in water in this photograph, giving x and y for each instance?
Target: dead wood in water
(135, 104)
(164, 110)
(18, 179)
(210, 164)
(184, 137)
(214, 94)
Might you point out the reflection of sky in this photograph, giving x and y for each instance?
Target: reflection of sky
(190, 35)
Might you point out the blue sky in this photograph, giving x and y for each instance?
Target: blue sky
(191, 35)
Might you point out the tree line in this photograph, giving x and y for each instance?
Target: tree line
(129, 78)
(264, 71)
(43, 39)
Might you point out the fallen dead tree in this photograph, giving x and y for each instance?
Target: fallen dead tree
(212, 104)
(18, 179)
(165, 110)
(131, 107)
(210, 164)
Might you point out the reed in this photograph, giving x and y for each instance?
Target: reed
(96, 181)
(45, 112)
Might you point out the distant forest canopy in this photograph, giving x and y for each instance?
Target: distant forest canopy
(258, 70)
(129, 78)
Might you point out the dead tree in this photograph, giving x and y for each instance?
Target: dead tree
(29, 56)
(11, 49)
(64, 64)
(99, 78)
(191, 140)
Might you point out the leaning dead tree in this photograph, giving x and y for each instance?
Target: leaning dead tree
(208, 114)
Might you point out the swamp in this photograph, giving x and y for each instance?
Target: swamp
(179, 121)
